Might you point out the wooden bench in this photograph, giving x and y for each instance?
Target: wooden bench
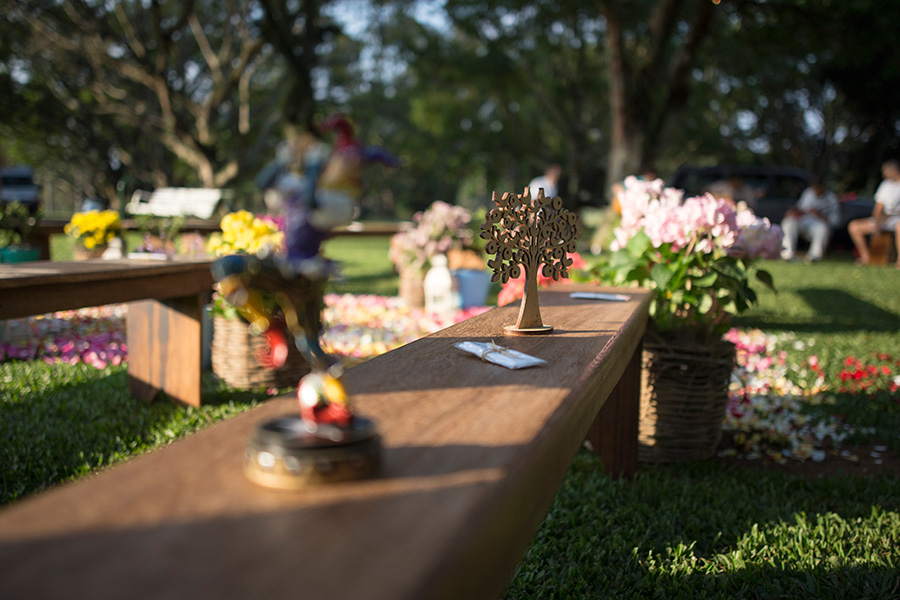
(177, 202)
(40, 236)
(473, 457)
(164, 312)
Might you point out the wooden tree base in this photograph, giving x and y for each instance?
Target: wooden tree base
(513, 330)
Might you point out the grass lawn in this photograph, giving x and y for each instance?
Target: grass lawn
(365, 268)
(849, 311)
(718, 530)
(702, 530)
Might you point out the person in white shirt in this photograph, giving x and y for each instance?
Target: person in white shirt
(548, 181)
(885, 216)
(815, 215)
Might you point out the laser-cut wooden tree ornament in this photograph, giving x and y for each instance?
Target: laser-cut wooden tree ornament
(524, 234)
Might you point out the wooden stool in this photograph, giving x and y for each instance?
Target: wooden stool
(880, 247)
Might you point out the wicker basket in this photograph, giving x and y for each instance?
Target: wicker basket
(234, 353)
(412, 288)
(684, 391)
(82, 253)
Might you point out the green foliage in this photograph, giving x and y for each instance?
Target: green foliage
(365, 267)
(700, 530)
(693, 293)
(706, 530)
(483, 100)
(165, 228)
(16, 223)
(849, 311)
(63, 421)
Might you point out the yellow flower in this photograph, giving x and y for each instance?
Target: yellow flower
(243, 232)
(93, 228)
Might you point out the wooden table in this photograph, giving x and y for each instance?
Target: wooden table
(473, 457)
(164, 312)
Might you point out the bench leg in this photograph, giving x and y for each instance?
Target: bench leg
(614, 433)
(42, 242)
(164, 346)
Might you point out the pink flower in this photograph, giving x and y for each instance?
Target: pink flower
(666, 218)
(757, 238)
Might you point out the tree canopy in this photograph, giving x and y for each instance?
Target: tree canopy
(475, 95)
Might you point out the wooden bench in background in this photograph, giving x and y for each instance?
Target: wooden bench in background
(473, 457)
(164, 312)
(201, 203)
(40, 236)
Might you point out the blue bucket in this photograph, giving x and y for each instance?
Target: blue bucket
(473, 287)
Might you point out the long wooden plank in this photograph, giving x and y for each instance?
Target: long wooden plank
(36, 273)
(473, 457)
(39, 287)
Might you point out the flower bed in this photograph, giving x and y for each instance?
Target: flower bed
(362, 326)
(765, 414)
(95, 336)
(356, 326)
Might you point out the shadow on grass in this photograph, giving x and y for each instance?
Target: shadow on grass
(65, 421)
(708, 530)
(834, 311)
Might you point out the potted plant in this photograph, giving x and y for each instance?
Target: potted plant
(696, 256)
(158, 236)
(16, 223)
(439, 230)
(92, 231)
(234, 350)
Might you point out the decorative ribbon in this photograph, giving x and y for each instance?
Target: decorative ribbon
(493, 347)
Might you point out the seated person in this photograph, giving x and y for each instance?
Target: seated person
(885, 216)
(815, 215)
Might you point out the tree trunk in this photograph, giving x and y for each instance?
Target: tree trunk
(646, 87)
(626, 154)
(626, 139)
(530, 309)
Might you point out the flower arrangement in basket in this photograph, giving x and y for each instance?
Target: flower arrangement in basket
(243, 233)
(93, 230)
(441, 229)
(696, 256)
(158, 234)
(236, 353)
